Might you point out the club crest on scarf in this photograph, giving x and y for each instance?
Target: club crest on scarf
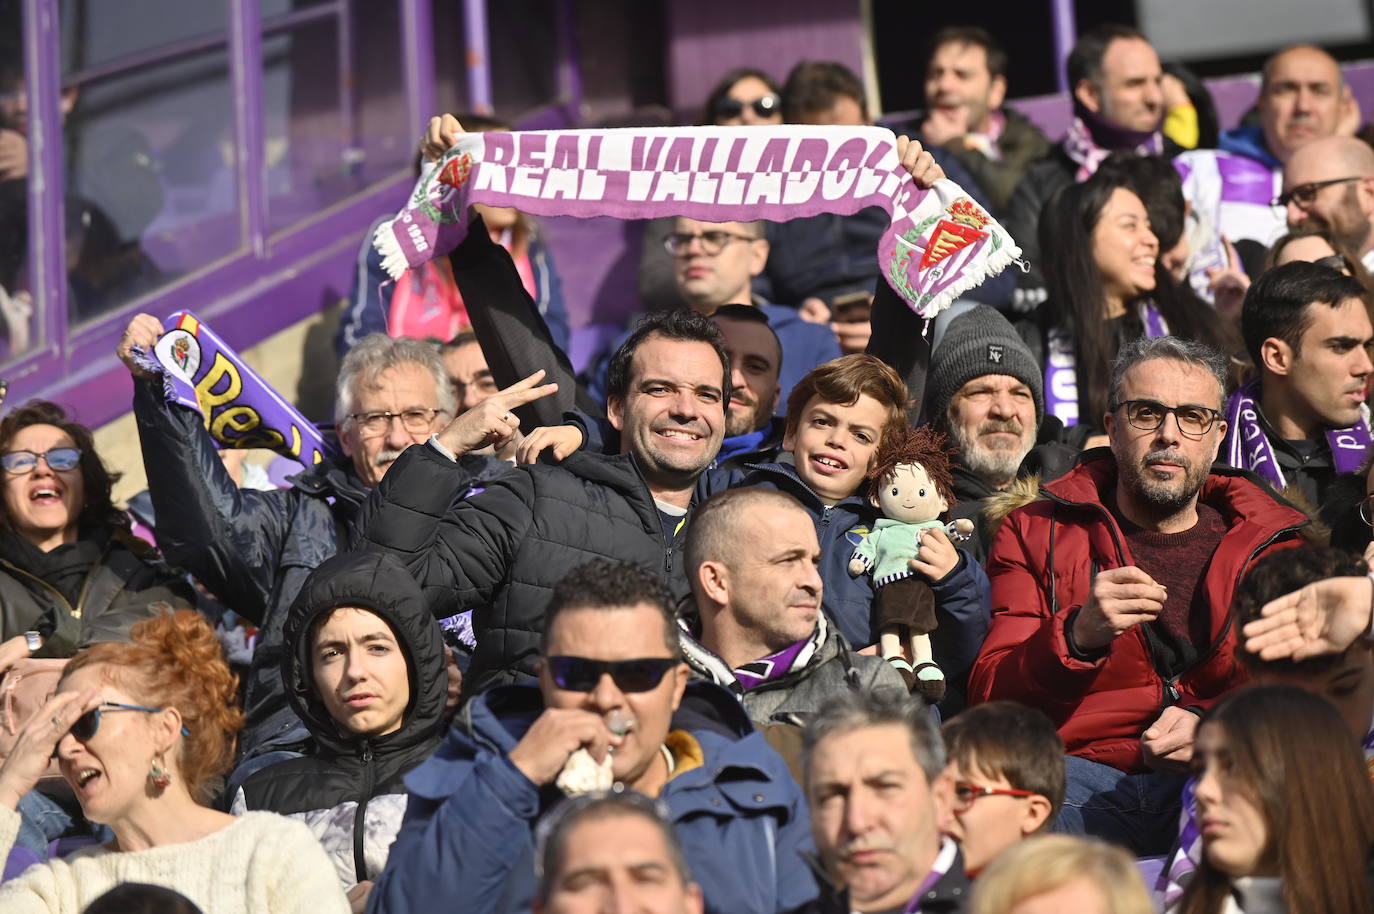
(240, 410)
(940, 243)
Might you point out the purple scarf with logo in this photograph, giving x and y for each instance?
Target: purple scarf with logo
(940, 242)
(201, 372)
(1090, 139)
(1248, 447)
(1061, 372)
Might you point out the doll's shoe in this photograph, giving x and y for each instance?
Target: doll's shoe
(905, 671)
(930, 682)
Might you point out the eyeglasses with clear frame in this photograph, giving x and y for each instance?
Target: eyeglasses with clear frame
(416, 420)
(1148, 415)
(966, 794)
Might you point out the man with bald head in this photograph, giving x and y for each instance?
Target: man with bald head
(1303, 97)
(1328, 185)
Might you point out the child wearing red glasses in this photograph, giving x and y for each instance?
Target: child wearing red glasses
(1003, 779)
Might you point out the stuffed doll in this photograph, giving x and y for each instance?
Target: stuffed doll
(911, 483)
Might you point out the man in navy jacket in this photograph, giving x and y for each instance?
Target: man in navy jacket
(613, 699)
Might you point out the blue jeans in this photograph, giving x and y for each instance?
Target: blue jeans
(41, 820)
(1139, 811)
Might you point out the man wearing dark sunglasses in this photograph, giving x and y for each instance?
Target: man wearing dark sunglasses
(613, 702)
(1111, 591)
(1329, 185)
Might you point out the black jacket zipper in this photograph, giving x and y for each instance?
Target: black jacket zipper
(359, 816)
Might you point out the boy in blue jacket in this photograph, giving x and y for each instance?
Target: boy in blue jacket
(837, 416)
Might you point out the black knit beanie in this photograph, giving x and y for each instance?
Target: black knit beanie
(980, 341)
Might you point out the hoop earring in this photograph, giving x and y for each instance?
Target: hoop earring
(158, 776)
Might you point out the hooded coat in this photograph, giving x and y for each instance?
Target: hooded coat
(1042, 564)
(350, 791)
(468, 838)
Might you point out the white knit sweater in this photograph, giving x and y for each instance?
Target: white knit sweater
(262, 863)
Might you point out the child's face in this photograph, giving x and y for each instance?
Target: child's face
(833, 445)
(909, 496)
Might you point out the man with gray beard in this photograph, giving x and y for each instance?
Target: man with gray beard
(1111, 592)
(985, 391)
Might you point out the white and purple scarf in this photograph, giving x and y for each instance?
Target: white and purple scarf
(240, 410)
(1061, 366)
(793, 658)
(1247, 446)
(1089, 140)
(940, 242)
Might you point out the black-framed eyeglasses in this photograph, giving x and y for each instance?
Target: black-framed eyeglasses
(712, 242)
(966, 794)
(726, 108)
(1148, 415)
(581, 674)
(415, 420)
(58, 459)
(87, 725)
(1306, 194)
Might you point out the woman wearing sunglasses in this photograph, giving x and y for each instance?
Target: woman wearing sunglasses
(1284, 806)
(71, 573)
(143, 731)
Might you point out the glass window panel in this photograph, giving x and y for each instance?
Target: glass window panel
(334, 111)
(19, 324)
(269, 8)
(152, 190)
(96, 32)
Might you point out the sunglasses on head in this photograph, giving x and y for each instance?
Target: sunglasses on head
(579, 674)
(726, 108)
(87, 725)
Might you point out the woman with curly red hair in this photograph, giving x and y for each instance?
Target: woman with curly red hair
(143, 733)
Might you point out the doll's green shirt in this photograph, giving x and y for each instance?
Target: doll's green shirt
(886, 550)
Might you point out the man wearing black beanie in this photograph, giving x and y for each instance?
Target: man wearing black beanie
(986, 391)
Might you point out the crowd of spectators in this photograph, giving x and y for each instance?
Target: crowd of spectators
(561, 643)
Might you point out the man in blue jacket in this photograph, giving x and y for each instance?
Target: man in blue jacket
(613, 707)
(714, 264)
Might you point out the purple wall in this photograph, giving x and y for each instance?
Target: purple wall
(707, 38)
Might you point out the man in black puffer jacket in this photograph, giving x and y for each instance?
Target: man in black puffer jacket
(378, 716)
(502, 550)
(253, 550)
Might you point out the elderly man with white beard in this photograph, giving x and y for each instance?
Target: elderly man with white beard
(985, 390)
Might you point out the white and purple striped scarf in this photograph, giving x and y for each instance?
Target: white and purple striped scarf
(1061, 366)
(939, 244)
(1081, 146)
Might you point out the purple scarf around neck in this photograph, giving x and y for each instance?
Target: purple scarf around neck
(1061, 371)
(1248, 447)
(774, 666)
(1090, 139)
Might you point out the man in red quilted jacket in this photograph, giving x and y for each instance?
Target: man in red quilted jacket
(1111, 592)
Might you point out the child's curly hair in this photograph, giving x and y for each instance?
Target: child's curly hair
(923, 445)
(174, 660)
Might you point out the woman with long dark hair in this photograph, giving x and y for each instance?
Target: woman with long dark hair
(71, 573)
(1106, 286)
(1285, 808)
